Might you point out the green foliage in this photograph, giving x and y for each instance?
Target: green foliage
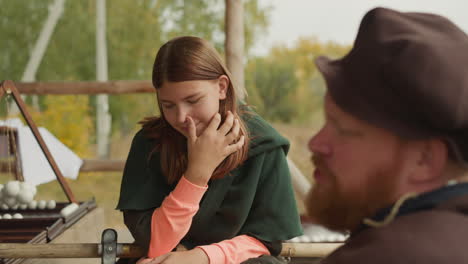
(285, 85)
(70, 55)
(135, 31)
(271, 86)
(256, 22)
(19, 32)
(71, 123)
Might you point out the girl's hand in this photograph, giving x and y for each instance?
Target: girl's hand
(207, 151)
(196, 255)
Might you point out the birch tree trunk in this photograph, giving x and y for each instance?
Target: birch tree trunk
(37, 53)
(103, 118)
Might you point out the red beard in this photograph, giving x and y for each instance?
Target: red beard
(330, 204)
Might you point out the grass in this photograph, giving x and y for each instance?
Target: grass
(105, 187)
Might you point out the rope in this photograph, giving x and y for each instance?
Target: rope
(389, 218)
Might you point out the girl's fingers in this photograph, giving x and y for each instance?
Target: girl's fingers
(234, 134)
(192, 129)
(144, 260)
(236, 146)
(227, 124)
(214, 123)
(160, 259)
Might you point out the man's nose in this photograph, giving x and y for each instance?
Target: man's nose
(319, 144)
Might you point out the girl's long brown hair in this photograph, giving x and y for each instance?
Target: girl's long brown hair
(187, 59)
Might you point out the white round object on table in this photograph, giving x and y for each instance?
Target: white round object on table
(332, 238)
(12, 188)
(41, 204)
(17, 216)
(343, 237)
(7, 216)
(23, 206)
(294, 240)
(25, 196)
(69, 209)
(305, 239)
(10, 201)
(317, 238)
(1, 191)
(15, 207)
(4, 206)
(1, 217)
(51, 204)
(30, 187)
(32, 205)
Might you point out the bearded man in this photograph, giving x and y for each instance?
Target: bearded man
(393, 152)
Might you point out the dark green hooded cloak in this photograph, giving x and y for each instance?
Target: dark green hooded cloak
(255, 199)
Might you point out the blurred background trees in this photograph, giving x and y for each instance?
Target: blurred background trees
(283, 85)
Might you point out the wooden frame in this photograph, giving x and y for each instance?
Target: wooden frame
(8, 87)
(9, 136)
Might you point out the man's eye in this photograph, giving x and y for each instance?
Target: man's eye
(349, 132)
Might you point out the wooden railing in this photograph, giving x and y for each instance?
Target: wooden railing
(90, 165)
(300, 182)
(89, 88)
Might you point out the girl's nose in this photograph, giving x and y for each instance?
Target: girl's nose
(181, 115)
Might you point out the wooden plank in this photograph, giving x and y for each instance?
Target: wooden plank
(82, 87)
(85, 250)
(308, 250)
(102, 165)
(93, 250)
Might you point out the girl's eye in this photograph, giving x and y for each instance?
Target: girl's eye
(194, 101)
(168, 106)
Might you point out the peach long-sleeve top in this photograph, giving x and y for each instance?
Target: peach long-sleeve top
(172, 220)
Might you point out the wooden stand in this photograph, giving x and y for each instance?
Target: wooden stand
(10, 158)
(8, 87)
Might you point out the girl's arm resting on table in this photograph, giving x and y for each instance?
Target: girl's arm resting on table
(152, 228)
(235, 250)
(231, 251)
(171, 221)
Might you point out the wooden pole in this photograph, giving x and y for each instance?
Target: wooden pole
(234, 43)
(300, 183)
(94, 250)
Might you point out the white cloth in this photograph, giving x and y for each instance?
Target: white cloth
(36, 168)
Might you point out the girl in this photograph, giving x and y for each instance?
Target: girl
(206, 175)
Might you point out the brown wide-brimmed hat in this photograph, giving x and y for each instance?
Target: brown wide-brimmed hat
(407, 73)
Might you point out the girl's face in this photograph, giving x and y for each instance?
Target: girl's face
(198, 99)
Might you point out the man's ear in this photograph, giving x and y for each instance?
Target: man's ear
(430, 161)
(223, 83)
